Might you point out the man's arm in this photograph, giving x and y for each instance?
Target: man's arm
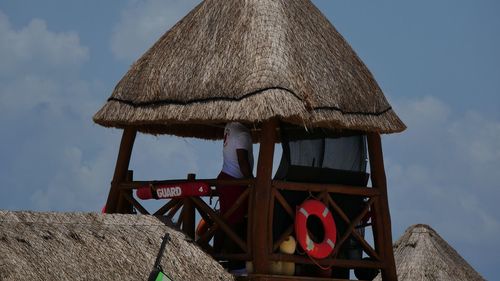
(244, 163)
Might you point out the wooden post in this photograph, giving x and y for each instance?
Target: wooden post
(121, 169)
(382, 226)
(188, 213)
(124, 206)
(261, 248)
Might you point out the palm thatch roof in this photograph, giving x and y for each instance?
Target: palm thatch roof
(249, 61)
(87, 246)
(421, 254)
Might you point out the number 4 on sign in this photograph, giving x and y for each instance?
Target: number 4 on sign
(201, 189)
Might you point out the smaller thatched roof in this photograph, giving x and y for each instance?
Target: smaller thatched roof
(89, 246)
(249, 61)
(421, 254)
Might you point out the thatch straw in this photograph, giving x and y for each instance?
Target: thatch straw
(249, 61)
(421, 254)
(79, 246)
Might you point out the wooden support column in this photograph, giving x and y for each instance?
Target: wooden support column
(124, 206)
(261, 247)
(382, 226)
(121, 169)
(188, 213)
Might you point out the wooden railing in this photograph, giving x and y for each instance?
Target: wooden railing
(323, 193)
(181, 213)
(185, 209)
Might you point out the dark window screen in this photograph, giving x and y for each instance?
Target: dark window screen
(343, 153)
(314, 152)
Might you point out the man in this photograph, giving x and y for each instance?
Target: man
(237, 164)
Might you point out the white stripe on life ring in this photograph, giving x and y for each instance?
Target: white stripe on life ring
(330, 243)
(304, 212)
(325, 212)
(309, 243)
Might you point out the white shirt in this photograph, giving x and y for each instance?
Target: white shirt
(236, 136)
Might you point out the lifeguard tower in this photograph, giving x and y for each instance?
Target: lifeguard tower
(281, 68)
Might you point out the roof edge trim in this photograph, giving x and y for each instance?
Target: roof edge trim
(260, 91)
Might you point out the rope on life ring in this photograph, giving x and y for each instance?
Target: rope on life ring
(315, 208)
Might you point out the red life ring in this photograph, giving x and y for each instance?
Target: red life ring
(318, 209)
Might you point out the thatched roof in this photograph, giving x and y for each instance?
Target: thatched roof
(79, 246)
(249, 61)
(421, 254)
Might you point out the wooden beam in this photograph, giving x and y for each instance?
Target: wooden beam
(121, 169)
(261, 247)
(261, 277)
(382, 225)
(135, 203)
(124, 205)
(351, 226)
(171, 213)
(165, 208)
(211, 231)
(368, 249)
(330, 188)
(227, 256)
(211, 182)
(250, 221)
(188, 213)
(327, 262)
(222, 224)
(284, 203)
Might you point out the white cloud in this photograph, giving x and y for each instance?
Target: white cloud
(34, 44)
(143, 22)
(78, 184)
(163, 157)
(443, 171)
(39, 68)
(478, 138)
(49, 155)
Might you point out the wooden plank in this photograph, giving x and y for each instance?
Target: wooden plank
(366, 247)
(207, 236)
(250, 221)
(351, 226)
(124, 205)
(178, 223)
(169, 205)
(188, 217)
(238, 257)
(136, 204)
(338, 210)
(330, 188)
(211, 182)
(222, 224)
(171, 213)
(262, 198)
(188, 213)
(121, 169)
(272, 192)
(283, 203)
(379, 182)
(262, 277)
(327, 262)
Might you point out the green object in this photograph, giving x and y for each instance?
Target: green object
(162, 277)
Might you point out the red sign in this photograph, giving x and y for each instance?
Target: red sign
(173, 190)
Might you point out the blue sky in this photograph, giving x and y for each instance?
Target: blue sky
(437, 62)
